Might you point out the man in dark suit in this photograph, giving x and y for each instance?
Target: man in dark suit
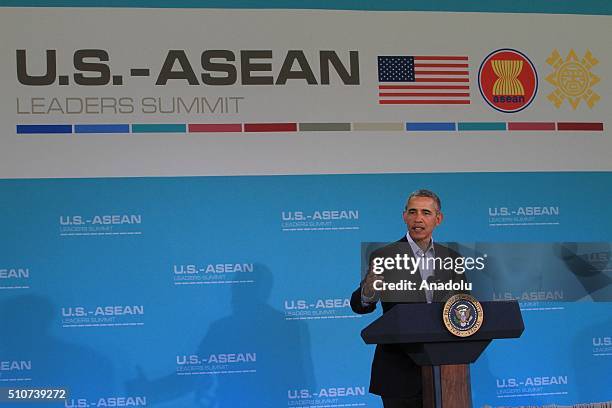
(394, 375)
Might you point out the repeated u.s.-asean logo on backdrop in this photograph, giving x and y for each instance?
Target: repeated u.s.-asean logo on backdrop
(507, 81)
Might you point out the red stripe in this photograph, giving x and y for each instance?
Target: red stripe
(441, 72)
(462, 94)
(215, 127)
(442, 80)
(423, 102)
(270, 127)
(441, 65)
(439, 58)
(531, 126)
(579, 126)
(423, 87)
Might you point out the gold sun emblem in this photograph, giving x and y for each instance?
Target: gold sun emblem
(573, 79)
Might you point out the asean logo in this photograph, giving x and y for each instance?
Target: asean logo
(507, 80)
(462, 315)
(573, 79)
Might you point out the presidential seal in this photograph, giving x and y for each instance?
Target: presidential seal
(462, 315)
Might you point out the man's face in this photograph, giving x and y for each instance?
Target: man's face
(422, 217)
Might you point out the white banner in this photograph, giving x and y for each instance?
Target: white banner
(163, 92)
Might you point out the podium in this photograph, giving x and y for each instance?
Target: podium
(443, 357)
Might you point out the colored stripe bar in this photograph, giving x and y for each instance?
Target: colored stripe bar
(430, 126)
(124, 128)
(215, 127)
(531, 126)
(481, 126)
(158, 128)
(43, 129)
(329, 127)
(270, 127)
(580, 126)
(379, 126)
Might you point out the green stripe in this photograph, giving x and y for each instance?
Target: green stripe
(481, 126)
(158, 128)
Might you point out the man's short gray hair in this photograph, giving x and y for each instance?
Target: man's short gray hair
(425, 193)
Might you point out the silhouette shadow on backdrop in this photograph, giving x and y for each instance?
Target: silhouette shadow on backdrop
(47, 360)
(254, 329)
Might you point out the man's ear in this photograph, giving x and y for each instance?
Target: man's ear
(439, 217)
(405, 217)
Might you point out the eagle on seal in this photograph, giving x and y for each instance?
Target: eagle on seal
(463, 314)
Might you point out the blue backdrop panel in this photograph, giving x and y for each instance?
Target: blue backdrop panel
(232, 291)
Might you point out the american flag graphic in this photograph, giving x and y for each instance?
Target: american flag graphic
(423, 80)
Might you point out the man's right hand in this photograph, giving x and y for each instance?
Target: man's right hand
(367, 286)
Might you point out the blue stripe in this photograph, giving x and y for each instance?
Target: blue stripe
(102, 128)
(596, 7)
(40, 129)
(428, 126)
